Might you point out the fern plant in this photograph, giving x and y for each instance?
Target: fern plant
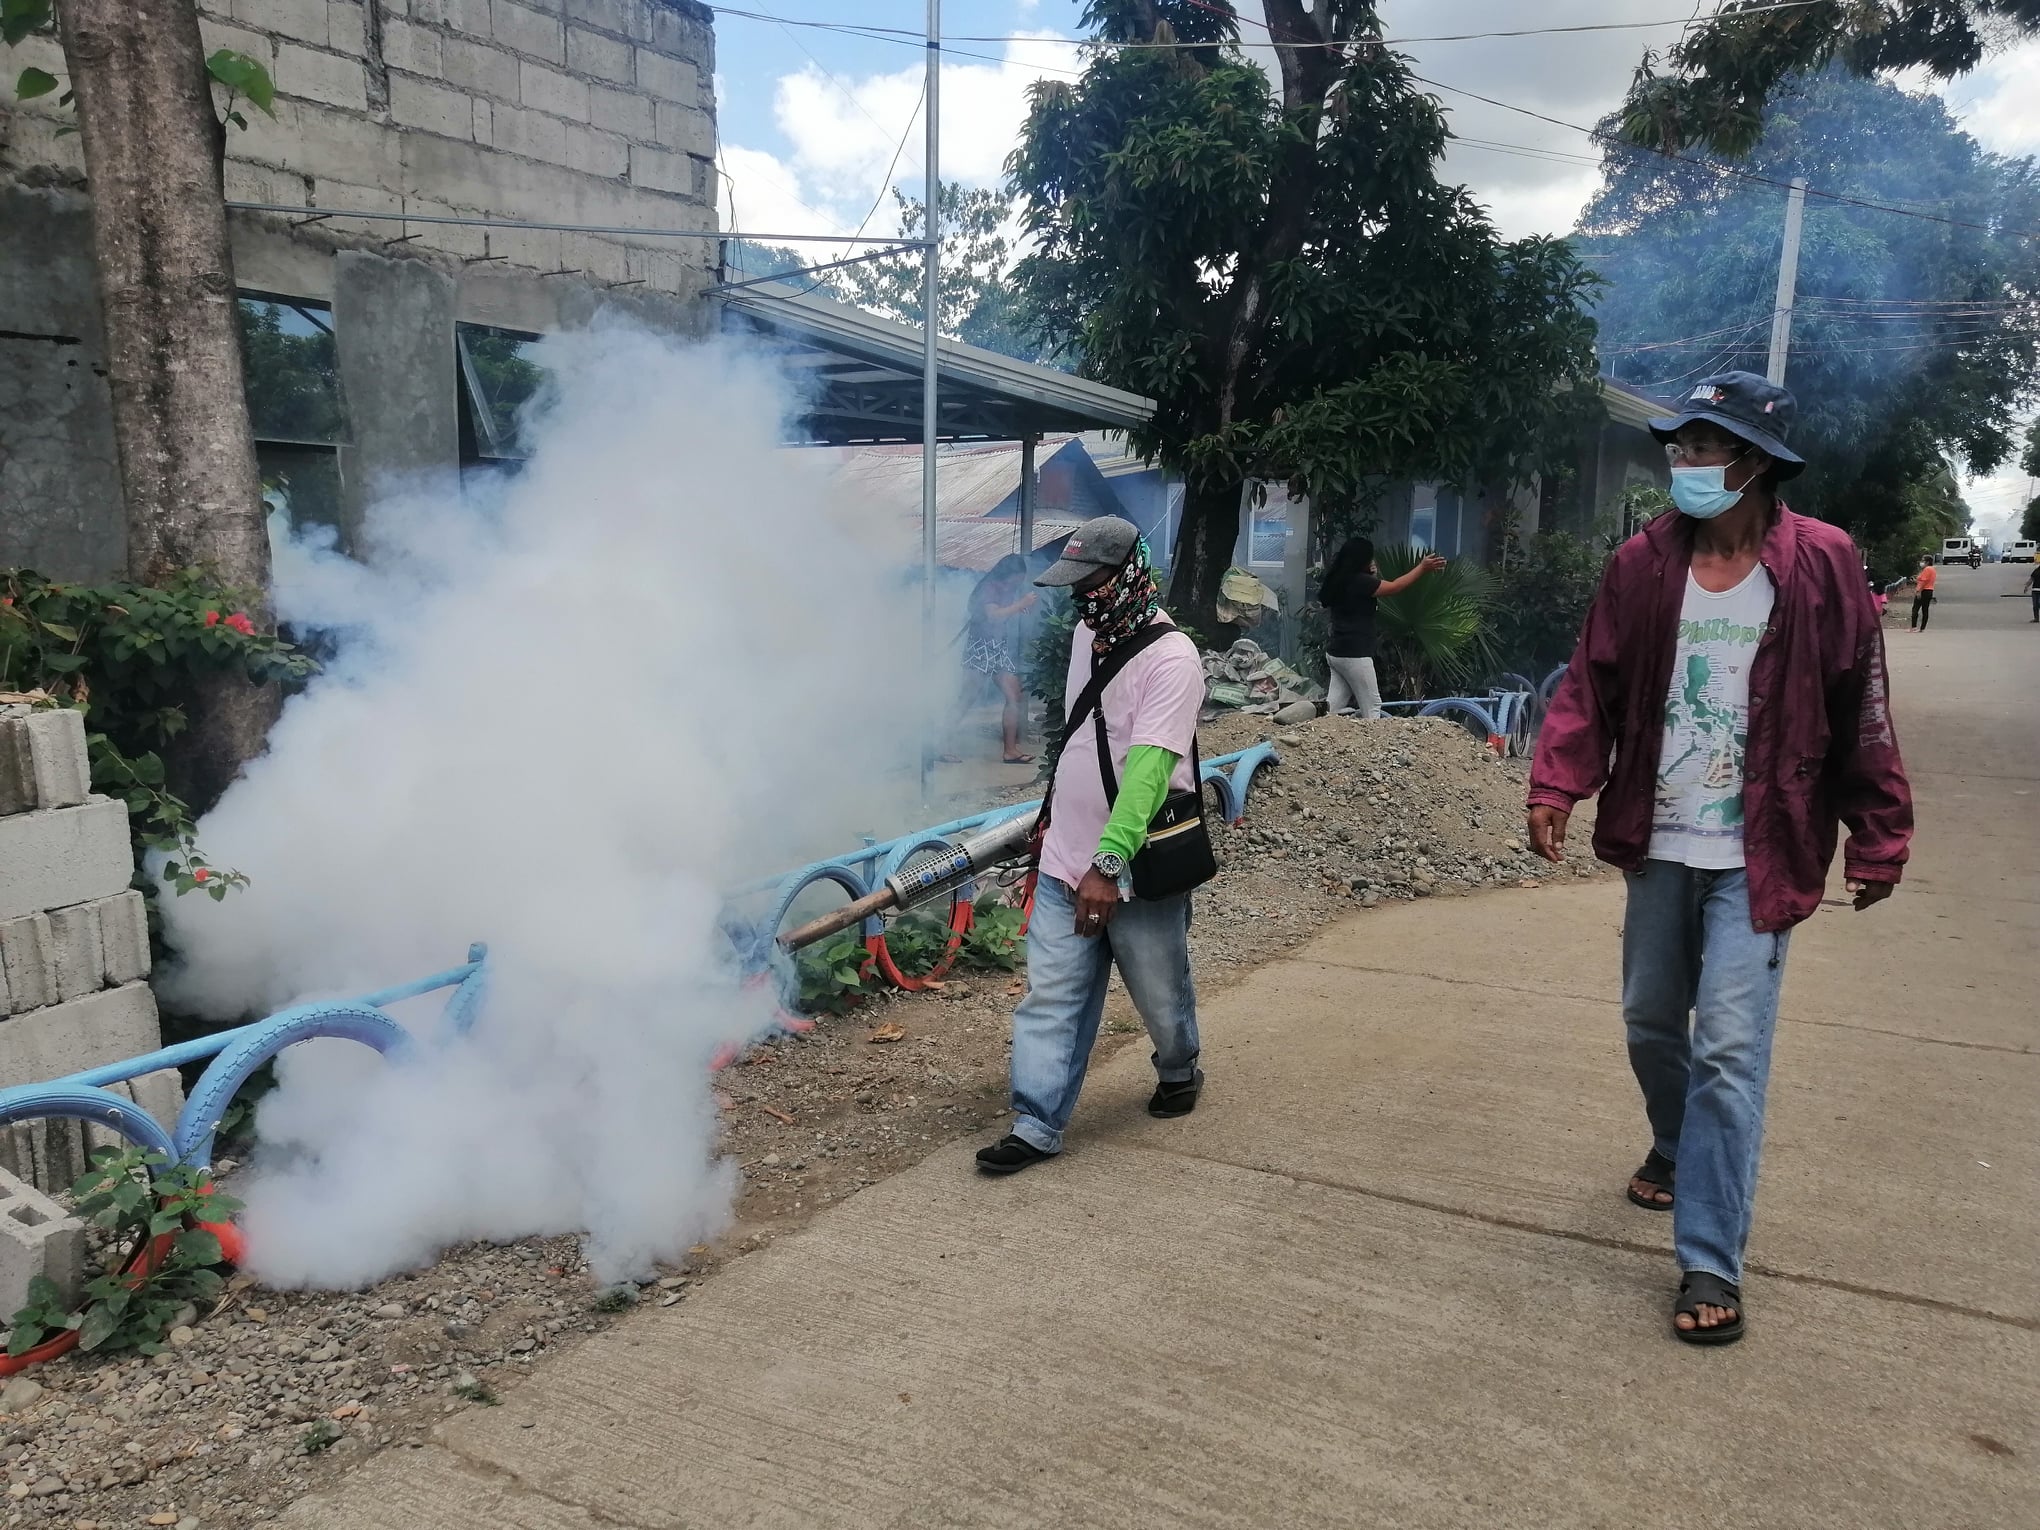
(1435, 638)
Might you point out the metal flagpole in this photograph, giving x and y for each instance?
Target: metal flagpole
(931, 277)
(1788, 282)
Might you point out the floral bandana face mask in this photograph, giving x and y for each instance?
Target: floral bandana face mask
(1123, 604)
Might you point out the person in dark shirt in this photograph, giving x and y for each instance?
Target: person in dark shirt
(1353, 584)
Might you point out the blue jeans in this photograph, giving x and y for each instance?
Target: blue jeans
(1055, 1025)
(1688, 952)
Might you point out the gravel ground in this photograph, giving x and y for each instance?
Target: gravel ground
(273, 1393)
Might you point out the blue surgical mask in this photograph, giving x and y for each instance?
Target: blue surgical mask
(1700, 492)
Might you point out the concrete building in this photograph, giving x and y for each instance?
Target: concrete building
(378, 349)
(1614, 460)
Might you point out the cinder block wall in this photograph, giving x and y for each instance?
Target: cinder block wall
(594, 112)
(569, 111)
(74, 941)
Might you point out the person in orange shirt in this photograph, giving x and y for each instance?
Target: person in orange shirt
(1923, 596)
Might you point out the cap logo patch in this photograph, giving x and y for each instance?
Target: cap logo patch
(1707, 395)
(1770, 405)
(1073, 545)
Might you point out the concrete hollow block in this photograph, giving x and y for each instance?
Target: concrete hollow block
(160, 1093)
(56, 746)
(17, 762)
(61, 856)
(28, 957)
(37, 1237)
(124, 937)
(77, 951)
(101, 1028)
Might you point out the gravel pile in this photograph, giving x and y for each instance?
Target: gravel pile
(260, 1401)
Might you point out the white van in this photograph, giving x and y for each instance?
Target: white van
(2020, 552)
(1961, 550)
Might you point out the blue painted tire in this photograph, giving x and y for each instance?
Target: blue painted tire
(1228, 799)
(1244, 771)
(207, 1103)
(1550, 684)
(1466, 711)
(844, 876)
(82, 1102)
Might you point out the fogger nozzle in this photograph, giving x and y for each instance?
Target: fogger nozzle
(928, 879)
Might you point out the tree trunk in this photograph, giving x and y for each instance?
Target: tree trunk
(153, 152)
(1204, 551)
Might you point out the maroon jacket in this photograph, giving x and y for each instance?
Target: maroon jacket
(1820, 746)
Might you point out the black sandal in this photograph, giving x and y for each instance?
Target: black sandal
(1657, 1170)
(1702, 1289)
(1009, 1155)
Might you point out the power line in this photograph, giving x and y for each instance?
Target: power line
(1705, 334)
(616, 230)
(1721, 169)
(880, 33)
(906, 37)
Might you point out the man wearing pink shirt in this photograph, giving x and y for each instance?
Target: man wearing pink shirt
(1085, 917)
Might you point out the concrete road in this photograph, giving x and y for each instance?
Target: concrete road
(1385, 1275)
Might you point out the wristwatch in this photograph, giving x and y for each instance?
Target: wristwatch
(1106, 864)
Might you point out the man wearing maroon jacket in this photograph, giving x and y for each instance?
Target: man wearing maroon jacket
(1728, 701)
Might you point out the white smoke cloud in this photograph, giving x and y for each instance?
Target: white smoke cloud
(565, 722)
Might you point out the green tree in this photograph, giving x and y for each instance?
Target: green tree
(749, 260)
(152, 113)
(1910, 344)
(978, 304)
(292, 376)
(1276, 263)
(1721, 75)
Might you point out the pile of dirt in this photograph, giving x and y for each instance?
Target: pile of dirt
(1366, 812)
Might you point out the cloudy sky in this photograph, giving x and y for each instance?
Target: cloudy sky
(817, 123)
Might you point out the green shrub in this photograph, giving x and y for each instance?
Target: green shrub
(134, 1308)
(1433, 639)
(1541, 599)
(128, 657)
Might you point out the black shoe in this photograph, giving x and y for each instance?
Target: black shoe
(1179, 1099)
(1009, 1155)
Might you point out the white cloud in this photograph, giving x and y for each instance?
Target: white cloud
(844, 132)
(1997, 102)
(763, 194)
(1998, 502)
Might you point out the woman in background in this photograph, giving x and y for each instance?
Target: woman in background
(1353, 585)
(995, 638)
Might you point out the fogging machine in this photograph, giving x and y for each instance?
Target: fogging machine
(924, 880)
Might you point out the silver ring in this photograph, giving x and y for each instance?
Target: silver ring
(1092, 917)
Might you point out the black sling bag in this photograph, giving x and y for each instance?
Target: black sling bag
(1177, 855)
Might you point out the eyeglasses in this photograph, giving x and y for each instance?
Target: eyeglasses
(1677, 453)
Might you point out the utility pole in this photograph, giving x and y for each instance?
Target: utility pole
(931, 290)
(1788, 281)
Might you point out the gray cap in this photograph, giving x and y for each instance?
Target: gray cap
(1106, 542)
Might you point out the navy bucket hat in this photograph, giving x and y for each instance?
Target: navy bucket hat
(1748, 408)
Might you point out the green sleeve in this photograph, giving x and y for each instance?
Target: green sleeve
(1142, 787)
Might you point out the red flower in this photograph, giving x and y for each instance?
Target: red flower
(212, 618)
(241, 624)
(199, 874)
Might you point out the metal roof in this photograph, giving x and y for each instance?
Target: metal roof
(1626, 406)
(979, 483)
(866, 377)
